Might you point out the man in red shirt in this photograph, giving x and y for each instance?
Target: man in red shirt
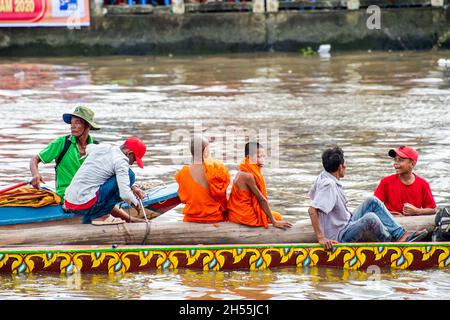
(405, 193)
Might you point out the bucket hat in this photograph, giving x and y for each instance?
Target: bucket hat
(84, 113)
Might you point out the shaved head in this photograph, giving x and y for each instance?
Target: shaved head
(251, 148)
(198, 145)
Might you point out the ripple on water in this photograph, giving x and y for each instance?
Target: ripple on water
(367, 103)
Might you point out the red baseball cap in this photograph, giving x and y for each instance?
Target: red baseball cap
(138, 147)
(404, 152)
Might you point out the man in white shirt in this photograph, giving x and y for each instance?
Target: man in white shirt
(103, 180)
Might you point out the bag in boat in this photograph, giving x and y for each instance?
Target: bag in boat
(29, 197)
(442, 221)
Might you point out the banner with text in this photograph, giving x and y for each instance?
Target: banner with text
(44, 13)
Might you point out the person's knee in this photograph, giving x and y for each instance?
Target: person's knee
(373, 203)
(132, 176)
(110, 184)
(371, 199)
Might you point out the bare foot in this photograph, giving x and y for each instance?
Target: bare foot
(135, 220)
(117, 212)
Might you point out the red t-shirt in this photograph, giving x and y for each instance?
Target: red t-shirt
(394, 193)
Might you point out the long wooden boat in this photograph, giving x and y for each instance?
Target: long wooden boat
(160, 245)
(158, 200)
(161, 232)
(121, 259)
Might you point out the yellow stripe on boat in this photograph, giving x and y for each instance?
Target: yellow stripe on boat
(122, 259)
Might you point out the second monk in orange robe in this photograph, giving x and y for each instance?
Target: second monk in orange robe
(248, 202)
(203, 185)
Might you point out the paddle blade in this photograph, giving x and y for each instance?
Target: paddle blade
(13, 187)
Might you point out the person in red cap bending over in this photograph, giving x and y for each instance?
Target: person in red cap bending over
(103, 180)
(405, 193)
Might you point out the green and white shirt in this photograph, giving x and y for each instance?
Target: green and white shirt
(69, 164)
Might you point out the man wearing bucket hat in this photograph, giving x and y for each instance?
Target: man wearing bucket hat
(68, 151)
(103, 180)
(405, 193)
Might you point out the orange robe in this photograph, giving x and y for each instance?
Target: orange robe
(243, 206)
(204, 205)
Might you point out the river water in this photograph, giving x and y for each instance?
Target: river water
(366, 102)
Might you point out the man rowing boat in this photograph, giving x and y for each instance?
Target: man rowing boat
(68, 152)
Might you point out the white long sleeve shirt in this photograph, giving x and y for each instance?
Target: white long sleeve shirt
(102, 162)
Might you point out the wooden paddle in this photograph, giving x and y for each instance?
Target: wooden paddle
(15, 186)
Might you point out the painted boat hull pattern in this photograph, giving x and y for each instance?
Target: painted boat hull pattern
(105, 259)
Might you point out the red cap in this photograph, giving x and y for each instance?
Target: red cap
(138, 147)
(404, 152)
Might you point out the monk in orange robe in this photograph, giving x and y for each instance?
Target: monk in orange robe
(203, 185)
(248, 202)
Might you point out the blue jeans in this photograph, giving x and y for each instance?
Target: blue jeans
(373, 217)
(107, 197)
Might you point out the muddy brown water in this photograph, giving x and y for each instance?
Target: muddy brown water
(366, 102)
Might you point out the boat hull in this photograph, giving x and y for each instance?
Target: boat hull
(158, 200)
(162, 232)
(122, 259)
